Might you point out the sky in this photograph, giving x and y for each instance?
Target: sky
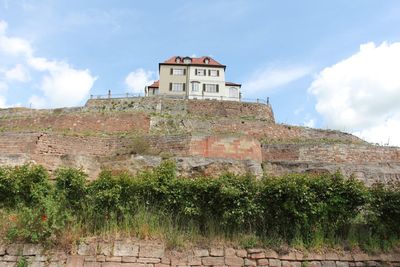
(323, 64)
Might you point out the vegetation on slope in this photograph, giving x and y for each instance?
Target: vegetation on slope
(305, 211)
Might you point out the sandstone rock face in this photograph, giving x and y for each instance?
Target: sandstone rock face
(203, 137)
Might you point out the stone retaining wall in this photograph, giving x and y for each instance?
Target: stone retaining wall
(134, 253)
(210, 108)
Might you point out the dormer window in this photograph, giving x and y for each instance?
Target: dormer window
(206, 60)
(187, 60)
(178, 60)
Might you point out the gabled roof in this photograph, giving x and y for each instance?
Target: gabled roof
(232, 84)
(155, 84)
(198, 61)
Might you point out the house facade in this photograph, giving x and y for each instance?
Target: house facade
(193, 78)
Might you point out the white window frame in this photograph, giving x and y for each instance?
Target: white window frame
(214, 73)
(211, 88)
(202, 71)
(195, 87)
(178, 72)
(177, 87)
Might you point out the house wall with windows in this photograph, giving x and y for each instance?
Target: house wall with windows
(193, 78)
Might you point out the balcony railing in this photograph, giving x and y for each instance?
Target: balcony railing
(183, 97)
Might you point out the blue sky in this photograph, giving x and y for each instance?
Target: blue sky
(326, 64)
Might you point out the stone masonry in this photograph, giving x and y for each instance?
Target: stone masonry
(137, 253)
(204, 138)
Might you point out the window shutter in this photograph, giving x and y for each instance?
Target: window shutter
(184, 71)
(204, 72)
(171, 71)
(209, 72)
(195, 71)
(217, 88)
(218, 73)
(183, 88)
(204, 87)
(170, 86)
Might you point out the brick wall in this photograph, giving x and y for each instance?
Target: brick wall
(194, 107)
(241, 148)
(135, 253)
(79, 122)
(333, 153)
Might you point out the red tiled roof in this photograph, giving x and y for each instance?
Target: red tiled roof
(155, 84)
(195, 61)
(232, 84)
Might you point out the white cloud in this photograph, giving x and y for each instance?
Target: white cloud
(18, 73)
(138, 79)
(269, 78)
(310, 123)
(362, 93)
(61, 84)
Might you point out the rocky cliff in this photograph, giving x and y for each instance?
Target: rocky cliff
(204, 137)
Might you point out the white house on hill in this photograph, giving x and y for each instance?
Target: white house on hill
(193, 78)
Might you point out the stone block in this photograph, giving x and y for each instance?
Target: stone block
(113, 258)
(217, 252)
(295, 264)
(342, 264)
(90, 258)
(328, 264)
(233, 260)
(213, 261)
(201, 252)
(241, 253)
(314, 264)
(129, 259)
(271, 254)
(360, 264)
(193, 260)
(149, 260)
(274, 263)
(161, 265)
(151, 251)
(15, 249)
(92, 264)
(2, 250)
(37, 264)
(254, 250)
(255, 256)
(40, 258)
(248, 262)
(75, 261)
(56, 264)
(230, 252)
(10, 258)
(285, 263)
(262, 262)
(31, 249)
(125, 249)
(372, 264)
(100, 258)
(7, 264)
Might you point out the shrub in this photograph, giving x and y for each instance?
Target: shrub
(385, 208)
(27, 184)
(72, 185)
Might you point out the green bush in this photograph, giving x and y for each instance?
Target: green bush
(71, 184)
(385, 209)
(27, 184)
(299, 209)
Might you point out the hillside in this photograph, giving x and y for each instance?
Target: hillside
(203, 137)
